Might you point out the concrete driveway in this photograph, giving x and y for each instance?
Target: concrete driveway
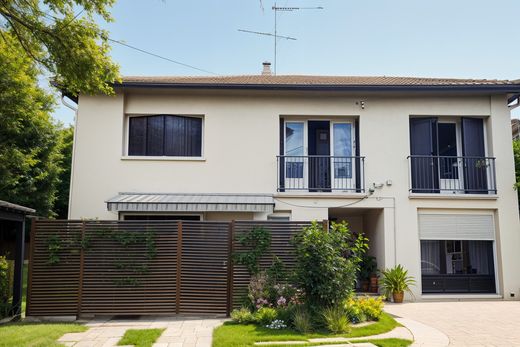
(468, 323)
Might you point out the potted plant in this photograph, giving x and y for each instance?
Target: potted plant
(367, 269)
(395, 282)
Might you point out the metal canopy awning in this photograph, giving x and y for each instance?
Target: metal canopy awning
(183, 202)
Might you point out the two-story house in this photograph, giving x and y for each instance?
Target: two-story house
(423, 166)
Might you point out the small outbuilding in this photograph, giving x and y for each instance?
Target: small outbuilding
(12, 227)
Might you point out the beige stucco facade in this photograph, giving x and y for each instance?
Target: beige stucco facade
(240, 145)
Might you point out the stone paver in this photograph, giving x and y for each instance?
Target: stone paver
(466, 323)
(179, 331)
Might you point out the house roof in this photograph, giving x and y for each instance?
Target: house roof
(186, 202)
(361, 83)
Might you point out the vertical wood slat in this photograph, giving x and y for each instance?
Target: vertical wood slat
(81, 270)
(230, 268)
(179, 268)
(31, 262)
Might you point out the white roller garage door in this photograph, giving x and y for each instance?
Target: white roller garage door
(456, 226)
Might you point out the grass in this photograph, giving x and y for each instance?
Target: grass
(379, 343)
(235, 335)
(140, 337)
(32, 335)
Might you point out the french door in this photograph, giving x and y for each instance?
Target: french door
(319, 155)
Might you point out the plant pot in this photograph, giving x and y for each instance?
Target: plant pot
(398, 297)
(373, 284)
(365, 285)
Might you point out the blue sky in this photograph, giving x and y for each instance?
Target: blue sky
(435, 38)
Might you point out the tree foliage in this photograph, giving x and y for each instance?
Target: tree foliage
(516, 152)
(69, 45)
(29, 143)
(61, 206)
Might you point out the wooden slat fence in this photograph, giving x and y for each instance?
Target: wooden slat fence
(143, 267)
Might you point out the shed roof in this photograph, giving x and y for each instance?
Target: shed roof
(15, 208)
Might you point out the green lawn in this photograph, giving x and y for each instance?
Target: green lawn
(235, 335)
(35, 335)
(140, 337)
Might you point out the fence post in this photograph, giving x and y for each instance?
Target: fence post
(179, 268)
(81, 269)
(32, 237)
(231, 233)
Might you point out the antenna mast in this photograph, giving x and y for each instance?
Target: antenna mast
(275, 35)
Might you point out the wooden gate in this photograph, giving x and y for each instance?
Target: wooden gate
(142, 267)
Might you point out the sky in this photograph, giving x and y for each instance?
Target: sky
(434, 38)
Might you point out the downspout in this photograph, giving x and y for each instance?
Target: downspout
(75, 109)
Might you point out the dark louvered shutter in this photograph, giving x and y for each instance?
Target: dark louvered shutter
(423, 148)
(137, 136)
(155, 136)
(475, 164)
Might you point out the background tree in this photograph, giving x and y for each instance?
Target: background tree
(516, 152)
(61, 207)
(29, 145)
(70, 46)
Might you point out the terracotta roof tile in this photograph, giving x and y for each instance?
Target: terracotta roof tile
(302, 80)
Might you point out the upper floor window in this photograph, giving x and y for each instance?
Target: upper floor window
(448, 155)
(165, 135)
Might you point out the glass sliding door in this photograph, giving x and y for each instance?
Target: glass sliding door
(343, 171)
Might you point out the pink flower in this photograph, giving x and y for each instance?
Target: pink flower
(281, 301)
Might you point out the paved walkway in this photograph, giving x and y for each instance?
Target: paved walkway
(180, 331)
(467, 323)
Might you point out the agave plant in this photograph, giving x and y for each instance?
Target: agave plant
(396, 281)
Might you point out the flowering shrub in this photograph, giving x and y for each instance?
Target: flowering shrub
(277, 324)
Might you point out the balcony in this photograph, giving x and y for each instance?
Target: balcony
(452, 175)
(321, 173)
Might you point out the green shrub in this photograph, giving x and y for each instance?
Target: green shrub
(372, 307)
(336, 320)
(365, 308)
(265, 315)
(354, 313)
(327, 263)
(302, 320)
(242, 316)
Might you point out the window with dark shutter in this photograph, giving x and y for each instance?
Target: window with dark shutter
(165, 135)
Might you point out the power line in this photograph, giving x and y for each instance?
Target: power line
(266, 34)
(161, 57)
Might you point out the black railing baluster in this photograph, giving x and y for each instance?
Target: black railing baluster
(320, 173)
(452, 175)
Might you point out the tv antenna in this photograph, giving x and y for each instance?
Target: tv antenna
(275, 36)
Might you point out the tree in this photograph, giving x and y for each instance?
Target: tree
(516, 152)
(29, 145)
(70, 46)
(61, 207)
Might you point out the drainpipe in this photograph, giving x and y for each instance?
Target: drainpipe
(75, 109)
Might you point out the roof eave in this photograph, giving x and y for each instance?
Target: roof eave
(503, 88)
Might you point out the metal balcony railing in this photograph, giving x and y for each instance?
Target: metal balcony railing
(455, 175)
(321, 173)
